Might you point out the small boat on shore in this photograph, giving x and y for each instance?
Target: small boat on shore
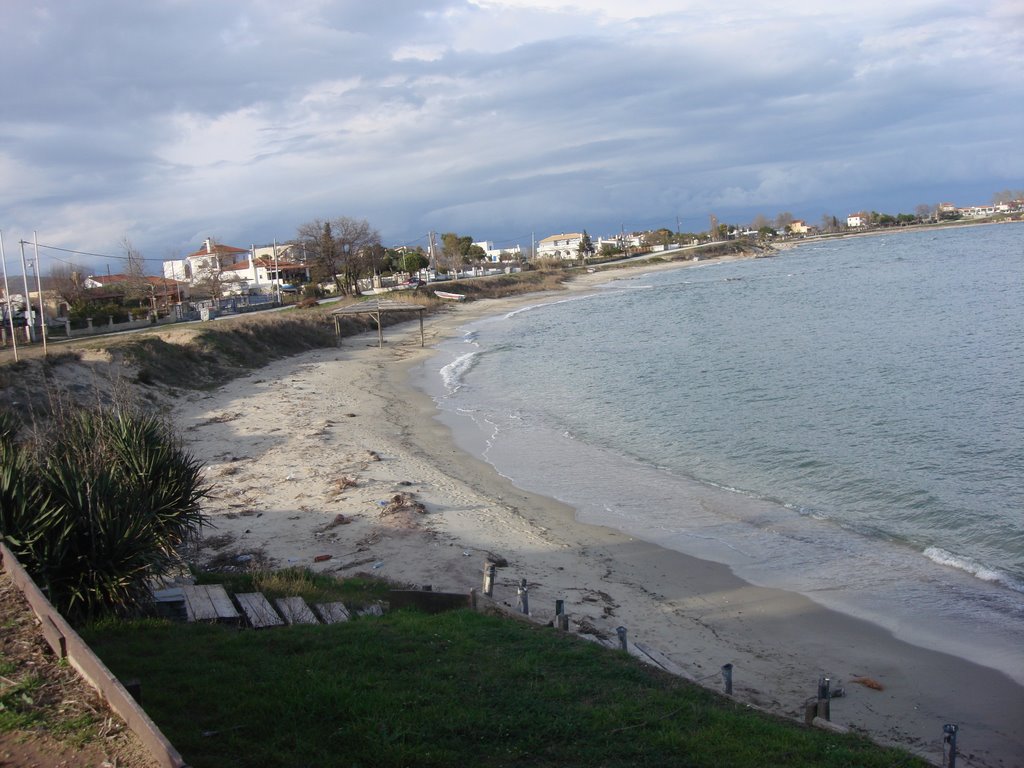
(449, 296)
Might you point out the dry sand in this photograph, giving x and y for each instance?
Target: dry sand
(306, 454)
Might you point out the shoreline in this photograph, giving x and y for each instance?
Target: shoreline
(278, 442)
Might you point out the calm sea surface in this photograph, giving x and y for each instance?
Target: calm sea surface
(845, 420)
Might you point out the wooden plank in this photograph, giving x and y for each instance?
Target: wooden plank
(198, 605)
(332, 613)
(258, 610)
(209, 602)
(222, 604)
(295, 610)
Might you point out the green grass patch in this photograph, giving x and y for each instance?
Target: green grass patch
(17, 698)
(416, 690)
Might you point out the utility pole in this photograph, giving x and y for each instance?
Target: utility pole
(277, 273)
(28, 302)
(432, 251)
(7, 297)
(39, 288)
(255, 267)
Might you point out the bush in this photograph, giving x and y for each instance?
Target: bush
(95, 504)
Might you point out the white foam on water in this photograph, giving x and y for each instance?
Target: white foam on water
(453, 374)
(942, 557)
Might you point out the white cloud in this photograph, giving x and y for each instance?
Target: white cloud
(181, 118)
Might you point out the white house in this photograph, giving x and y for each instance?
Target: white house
(562, 246)
(211, 258)
(496, 255)
(978, 211)
(240, 270)
(262, 274)
(856, 220)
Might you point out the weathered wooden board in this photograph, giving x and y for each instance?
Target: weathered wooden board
(208, 602)
(258, 610)
(295, 610)
(226, 610)
(332, 613)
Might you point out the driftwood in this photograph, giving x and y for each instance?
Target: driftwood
(403, 502)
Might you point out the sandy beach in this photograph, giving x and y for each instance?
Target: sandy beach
(332, 460)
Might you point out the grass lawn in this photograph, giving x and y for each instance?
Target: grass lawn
(416, 690)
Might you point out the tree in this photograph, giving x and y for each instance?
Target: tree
(925, 211)
(451, 252)
(340, 250)
(68, 281)
(760, 222)
(1007, 196)
(662, 236)
(137, 287)
(456, 251)
(414, 261)
(783, 220)
(586, 247)
(212, 281)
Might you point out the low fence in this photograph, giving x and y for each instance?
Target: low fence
(66, 643)
(94, 326)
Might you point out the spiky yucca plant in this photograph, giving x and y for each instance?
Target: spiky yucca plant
(96, 503)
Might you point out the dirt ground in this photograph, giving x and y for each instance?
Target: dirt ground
(60, 697)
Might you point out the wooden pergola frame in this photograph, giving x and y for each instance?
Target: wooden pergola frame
(376, 308)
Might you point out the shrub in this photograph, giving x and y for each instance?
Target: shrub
(95, 504)
(312, 291)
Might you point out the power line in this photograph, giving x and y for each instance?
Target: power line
(98, 255)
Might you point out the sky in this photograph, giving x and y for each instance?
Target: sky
(168, 121)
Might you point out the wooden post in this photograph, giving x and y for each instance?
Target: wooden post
(523, 597)
(824, 706)
(727, 678)
(472, 598)
(810, 711)
(949, 745)
(621, 632)
(562, 622)
(488, 578)
(559, 607)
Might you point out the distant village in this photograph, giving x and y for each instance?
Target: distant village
(218, 277)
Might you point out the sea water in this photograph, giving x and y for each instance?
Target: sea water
(844, 420)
